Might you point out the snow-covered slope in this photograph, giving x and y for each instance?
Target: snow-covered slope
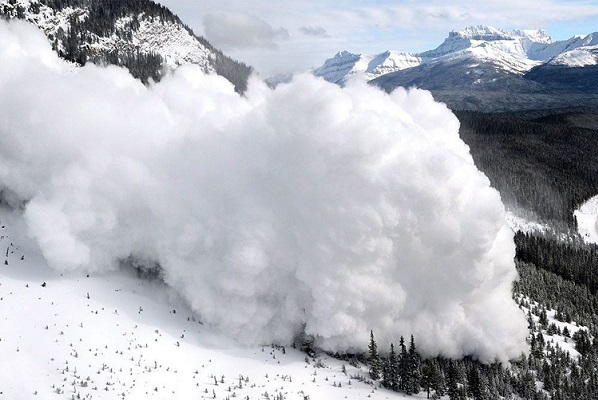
(587, 220)
(342, 66)
(116, 336)
(142, 36)
(391, 61)
(518, 223)
(345, 65)
(474, 37)
(512, 52)
(166, 38)
(579, 57)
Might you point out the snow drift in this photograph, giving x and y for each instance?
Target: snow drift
(306, 207)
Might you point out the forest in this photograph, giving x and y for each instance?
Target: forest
(544, 162)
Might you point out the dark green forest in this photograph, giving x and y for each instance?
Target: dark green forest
(543, 162)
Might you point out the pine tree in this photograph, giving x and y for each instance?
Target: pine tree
(452, 381)
(390, 378)
(431, 378)
(374, 358)
(477, 386)
(414, 368)
(403, 366)
(543, 319)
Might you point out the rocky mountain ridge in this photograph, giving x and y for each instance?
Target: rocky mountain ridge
(141, 35)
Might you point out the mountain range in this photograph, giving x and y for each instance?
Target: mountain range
(480, 59)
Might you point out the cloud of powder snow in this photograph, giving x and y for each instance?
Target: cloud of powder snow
(307, 207)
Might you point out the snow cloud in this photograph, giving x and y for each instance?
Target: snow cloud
(238, 31)
(306, 207)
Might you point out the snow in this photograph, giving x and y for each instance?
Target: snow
(391, 61)
(564, 343)
(344, 65)
(579, 57)
(117, 336)
(180, 48)
(519, 223)
(587, 220)
(499, 53)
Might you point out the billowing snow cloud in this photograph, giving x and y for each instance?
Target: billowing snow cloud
(306, 207)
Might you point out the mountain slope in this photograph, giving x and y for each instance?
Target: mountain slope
(566, 78)
(345, 65)
(141, 35)
(461, 72)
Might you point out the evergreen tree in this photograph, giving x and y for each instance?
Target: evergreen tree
(543, 319)
(390, 373)
(374, 358)
(477, 386)
(452, 381)
(431, 378)
(414, 368)
(582, 342)
(403, 366)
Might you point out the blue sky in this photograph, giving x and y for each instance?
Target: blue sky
(289, 36)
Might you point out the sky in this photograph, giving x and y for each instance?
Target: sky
(291, 36)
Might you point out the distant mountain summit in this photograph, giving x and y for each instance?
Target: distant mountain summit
(345, 65)
(140, 35)
(477, 58)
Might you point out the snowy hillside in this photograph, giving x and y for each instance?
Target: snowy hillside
(525, 225)
(119, 336)
(578, 57)
(115, 336)
(587, 220)
(513, 52)
(140, 35)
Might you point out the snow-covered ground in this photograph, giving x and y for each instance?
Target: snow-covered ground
(519, 223)
(587, 220)
(115, 336)
(557, 340)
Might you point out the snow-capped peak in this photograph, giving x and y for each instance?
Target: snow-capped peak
(591, 39)
(480, 32)
(341, 66)
(345, 65)
(533, 35)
